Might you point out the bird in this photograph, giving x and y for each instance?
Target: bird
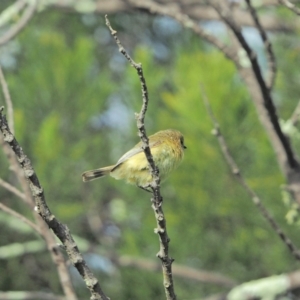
(167, 148)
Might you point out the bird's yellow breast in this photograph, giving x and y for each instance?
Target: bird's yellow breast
(135, 170)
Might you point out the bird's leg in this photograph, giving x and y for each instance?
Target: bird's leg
(145, 188)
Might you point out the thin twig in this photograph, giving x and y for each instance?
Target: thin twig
(175, 13)
(267, 98)
(15, 29)
(161, 229)
(237, 173)
(20, 217)
(59, 229)
(141, 116)
(12, 189)
(267, 44)
(15, 167)
(10, 110)
(290, 6)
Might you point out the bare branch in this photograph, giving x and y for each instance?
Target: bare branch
(10, 110)
(290, 6)
(20, 217)
(194, 9)
(141, 116)
(186, 21)
(268, 47)
(237, 173)
(14, 166)
(12, 189)
(267, 98)
(60, 230)
(15, 29)
(161, 229)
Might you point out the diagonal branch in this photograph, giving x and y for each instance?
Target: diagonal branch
(60, 230)
(237, 173)
(290, 6)
(161, 229)
(267, 44)
(57, 256)
(15, 29)
(8, 14)
(15, 167)
(20, 217)
(10, 110)
(267, 98)
(12, 189)
(175, 13)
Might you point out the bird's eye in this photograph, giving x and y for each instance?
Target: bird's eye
(182, 142)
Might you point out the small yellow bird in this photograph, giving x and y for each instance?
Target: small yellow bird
(167, 150)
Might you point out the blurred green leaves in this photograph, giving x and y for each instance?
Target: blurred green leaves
(49, 135)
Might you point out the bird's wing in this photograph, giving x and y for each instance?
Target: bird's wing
(135, 150)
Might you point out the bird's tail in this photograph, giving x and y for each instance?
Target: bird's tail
(93, 174)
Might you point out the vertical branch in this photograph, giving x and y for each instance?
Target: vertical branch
(6, 94)
(237, 173)
(291, 158)
(161, 229)
(267, 44)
